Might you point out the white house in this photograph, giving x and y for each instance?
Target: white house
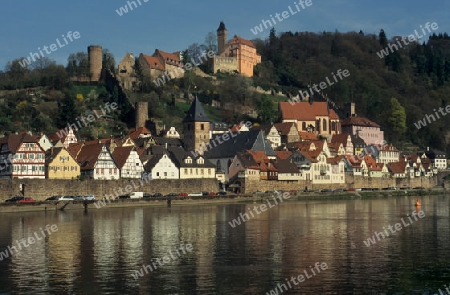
(128, 162)
(97, 162)
(162, 166)
(21, 157)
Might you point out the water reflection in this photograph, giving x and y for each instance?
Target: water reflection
(96, 252)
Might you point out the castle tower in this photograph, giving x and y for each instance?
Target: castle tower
(141, 113)
(221, 38)
(196, 127)
(95, 62)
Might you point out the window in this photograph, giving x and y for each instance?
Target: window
(185, 171)
(165, 174)
(157, 173)
(202, 126)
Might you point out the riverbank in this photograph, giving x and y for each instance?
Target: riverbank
(231, 198)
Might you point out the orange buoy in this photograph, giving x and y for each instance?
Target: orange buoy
(417, 202)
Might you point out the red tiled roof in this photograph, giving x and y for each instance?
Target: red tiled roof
(243, 41)
(397, 167)
(88, 156)
(359, 121)
(307, 135)
(154, 62)
(285, 127)
(335, 160)
(340, 138)
(283, 155)
(353, 160)
(75, 148)
(15, 140)
(304, 111)
(169, 58)
(136, 132)
(121, 154)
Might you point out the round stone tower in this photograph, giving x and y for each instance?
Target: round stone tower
(141, 113)
(95, 62)
(221, 38)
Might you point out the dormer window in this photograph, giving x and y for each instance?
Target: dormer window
(200, 160)
(188, 160)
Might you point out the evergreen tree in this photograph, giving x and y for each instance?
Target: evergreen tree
(67, 111)
(397, 119)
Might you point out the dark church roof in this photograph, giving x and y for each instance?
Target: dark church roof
(249, 140)
(196, 113)
(222, 27)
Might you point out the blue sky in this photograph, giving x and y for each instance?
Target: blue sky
(173, 25)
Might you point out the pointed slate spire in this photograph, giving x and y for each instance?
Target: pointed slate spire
(196, 113)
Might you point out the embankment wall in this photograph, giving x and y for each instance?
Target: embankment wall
(40, 189)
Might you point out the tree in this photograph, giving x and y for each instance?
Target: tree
(211, 42)
(108, 61)
(397, 119)
(382, 38)
(16, 72)
(78, 64)
(266, 110)
(67, 111)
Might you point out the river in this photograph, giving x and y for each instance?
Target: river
(193, 249)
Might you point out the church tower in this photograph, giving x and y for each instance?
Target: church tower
(197, 128)
(221, 38)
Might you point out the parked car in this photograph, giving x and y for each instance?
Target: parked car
(90, 198)
(326, 190)
(198, 194)
(136, 195)
(121, 197)
(78, 198)
(157, 195)
(14, 199)
(27, 200)
(418, 187)
(66, 198)
(221, 193)
(205, 193)
(183, 194)
(53, 198)
(171, 195)
(147, 195)
(338, 190)
(211, 194)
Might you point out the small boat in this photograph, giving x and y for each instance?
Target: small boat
(417, 203)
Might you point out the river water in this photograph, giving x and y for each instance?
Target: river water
(103, 250)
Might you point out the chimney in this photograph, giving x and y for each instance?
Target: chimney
(166, 145)
(428, 148)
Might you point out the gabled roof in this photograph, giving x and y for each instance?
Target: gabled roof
(153, 62)
(285, 128)
(247, 160)
(335, 160)
(305, 111)
(243, 41)
(179, 155)
(286, 166)
(359, 121)
(169, 58)
(196, 113)
(354, 161)
(88, 155)
(372, 165)
(307, 135)
(121, 154)
(239, 142)
(15, 140)
(357, 141)
(51, 154)
(397, 167)
(138, 132)
(157, 157)
(75, 148)
(283, 155)
(340, 138)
